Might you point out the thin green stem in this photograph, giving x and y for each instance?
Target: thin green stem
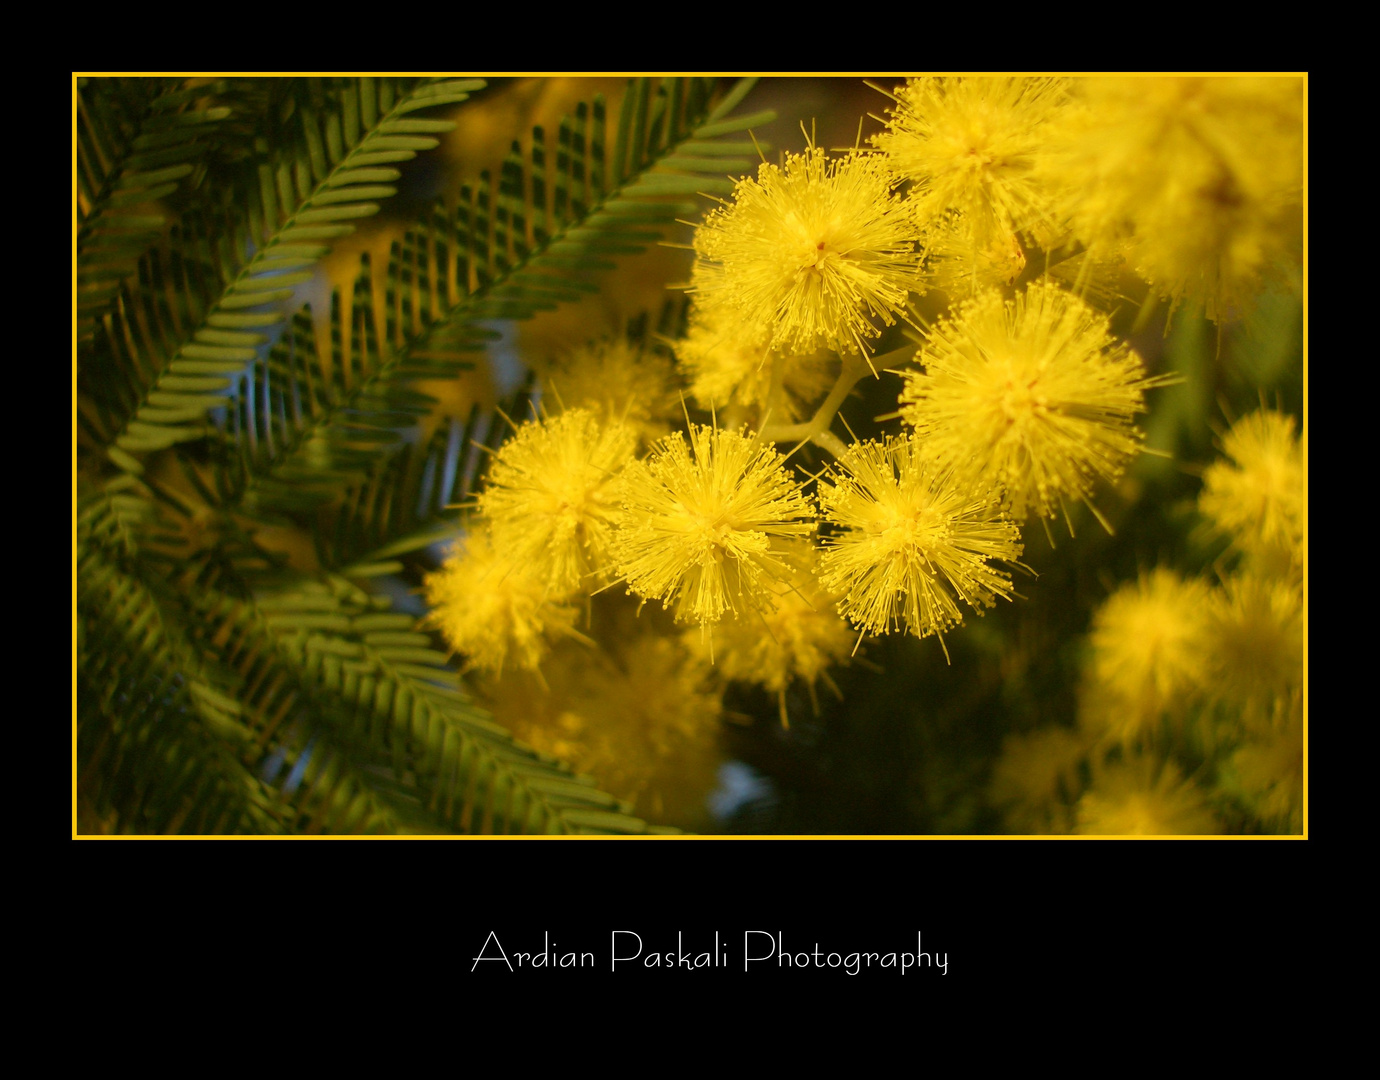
(829, 441)
(776, 387)
(816, 429)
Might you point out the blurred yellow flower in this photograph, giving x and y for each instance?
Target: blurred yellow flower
(491, 607)
(618, 382)
(1034, 394)
(1144, 797)
(1036, 778)
(1268, 767)
(1256, 496)
(1149, 648)
(548, 497)
(1255, 628)
(640, 716)
(726, 364)
(1201, 177)
(796, 634)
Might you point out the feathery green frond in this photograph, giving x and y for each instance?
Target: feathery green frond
(308, 419)
(248, 262)
(161, 736)
(528, 242)
(310, 707)
(411, 503)
(389, 701)
(137, 140)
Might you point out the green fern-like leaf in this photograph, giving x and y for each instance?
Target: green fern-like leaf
(239, 266)
(310, 707)
(387, 699)
(137, 141)
(161, 737)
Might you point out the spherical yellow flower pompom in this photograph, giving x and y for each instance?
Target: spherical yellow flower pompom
(1257, 496)
(912, 543)
(697, 523)
(1144, 797)
(1033, 394)
(796, 634)
(725, 360)
(963, 266)
(491, 607)
(1255, 626)
(1201, 178)
(548, 498)
(726, 364)
(640, 716)
(969, 144)
(1149, 649)
(618, 381)
(811, 251)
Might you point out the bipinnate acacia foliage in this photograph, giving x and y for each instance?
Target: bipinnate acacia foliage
(228, 679)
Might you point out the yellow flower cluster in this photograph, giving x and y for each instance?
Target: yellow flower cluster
(1191, 711)
(1025, 204)
(796, 634)
(491, 607)
(541, 539)
(1198, 180)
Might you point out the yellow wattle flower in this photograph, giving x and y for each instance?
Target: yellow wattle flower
(1256, 495)
(1199, 177)
(1144, 797)
(969, 144)
(640, 716)
(701, 524)
(493, 608)
(1150, 651)
(810, 252)
(1033, 394)
(618, 381)
(796, 634)
(549, 496)
(726, 364)
(911, 543)
(963, 264)
(1255, 626)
